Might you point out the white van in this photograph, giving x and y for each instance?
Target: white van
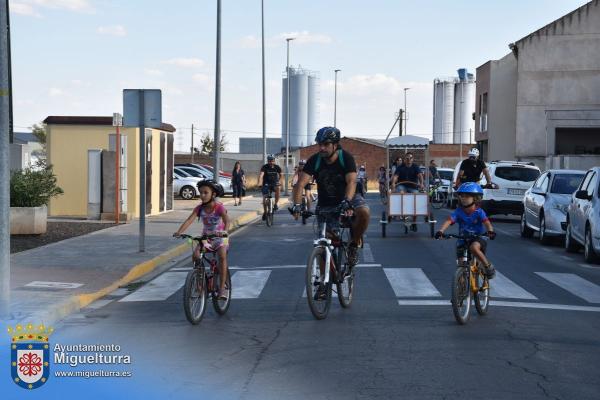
(513, 179)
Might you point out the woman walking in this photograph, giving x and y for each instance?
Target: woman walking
(238, 181)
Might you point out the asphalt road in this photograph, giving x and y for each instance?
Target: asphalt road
(398, 340)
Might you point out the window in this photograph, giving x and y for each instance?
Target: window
(586, 180)
(483, 111)
(446, 174)
(517, 174)
(592, 185)
(538, 182)
(566, 183)
(544, 184)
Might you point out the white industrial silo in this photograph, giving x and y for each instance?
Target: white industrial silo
(464, 106)
(303, 108)
(312, 108)
(443, 110)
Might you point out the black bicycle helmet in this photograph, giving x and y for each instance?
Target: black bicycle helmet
(270, 157)
(328, 134)
(216, 187)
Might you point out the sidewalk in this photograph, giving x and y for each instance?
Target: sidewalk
(80, 270)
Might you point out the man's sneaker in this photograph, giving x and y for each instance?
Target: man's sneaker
(352, 254)
(490, 271)
(275, 208)
(321, 293)
(413, 227)
(264, 217)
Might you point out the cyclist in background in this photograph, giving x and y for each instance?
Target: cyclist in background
(471, 220)
(307, 189)
(270, 180)
(361, 181)
(471, 169)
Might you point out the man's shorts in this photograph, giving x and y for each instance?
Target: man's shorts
(461, 244)
(331, 215)
(406, 189)
(267, 187)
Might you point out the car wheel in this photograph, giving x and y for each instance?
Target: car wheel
(570, 245)
(544, 238)
(588, 249)
(526, 231)
(187, 193)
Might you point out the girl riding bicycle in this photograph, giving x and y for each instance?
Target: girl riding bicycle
(216, 221)
(471, 220)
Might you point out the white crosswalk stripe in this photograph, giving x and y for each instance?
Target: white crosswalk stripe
(158, 289)
(502, 287)
(574, 284)
(410, 282)
(367, 254)
(249, 284)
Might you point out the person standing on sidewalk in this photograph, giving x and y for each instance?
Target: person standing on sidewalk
(213, 215)
(238, 181)
(270, 180)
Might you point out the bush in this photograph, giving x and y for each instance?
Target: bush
(33, 187)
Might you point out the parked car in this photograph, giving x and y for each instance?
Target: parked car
(583, 217)
(513, 179)
(185, 186)
(200, 172)
(545, 203)
(446, 177)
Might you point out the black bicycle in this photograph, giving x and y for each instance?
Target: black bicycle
(270, 206)
(328, 264)
(469, 281)
(204, 280)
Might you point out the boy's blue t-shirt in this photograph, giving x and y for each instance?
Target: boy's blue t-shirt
(469, 223)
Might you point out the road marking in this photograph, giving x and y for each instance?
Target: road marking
(547, 250)
(574, 284)
(588, 266)
(53, 285)
(236, 268)
(248, 284)
(158, 289)
(410, 282)
(367, 253)
(180, 269)
(502, 287)
(99, 304)
(567, 258)
(516, 304)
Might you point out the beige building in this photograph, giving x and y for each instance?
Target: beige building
(68, 142)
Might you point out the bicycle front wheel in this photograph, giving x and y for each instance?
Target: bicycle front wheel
(437, 200)
(318, 293)
(482, 297)
(194, 296)
(461, 295)
(221, 306)
(270, 213)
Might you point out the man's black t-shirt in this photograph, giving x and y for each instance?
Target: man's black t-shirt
(472, 169)
(271, 174)
(331, 178)
(408, 174)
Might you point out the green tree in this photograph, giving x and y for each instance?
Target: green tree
(207, 143)
(33, 187)
(39, 131)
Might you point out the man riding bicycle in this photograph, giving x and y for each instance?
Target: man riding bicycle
(270, 178)
(307, 189)
(334, 170)
(471, 169)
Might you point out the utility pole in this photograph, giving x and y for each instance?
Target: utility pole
(287, 118)
(217, 137)
(192, 148)
(5, 94)
(335, 99)
(264, 106)
(405, 112)
(11, 130)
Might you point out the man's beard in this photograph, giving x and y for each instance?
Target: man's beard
(326, 154)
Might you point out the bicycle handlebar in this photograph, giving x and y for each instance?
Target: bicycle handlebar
(203, 237)
(463, 237)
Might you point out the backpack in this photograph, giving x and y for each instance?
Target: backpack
(340, 158)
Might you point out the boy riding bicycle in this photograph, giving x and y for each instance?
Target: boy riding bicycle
(471, 220)
(216, 221)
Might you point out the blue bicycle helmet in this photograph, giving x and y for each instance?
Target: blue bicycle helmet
(328, 134)
(471, 188)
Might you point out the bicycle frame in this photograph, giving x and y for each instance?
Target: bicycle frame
(469, 262)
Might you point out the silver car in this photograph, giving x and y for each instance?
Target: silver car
(583, 217)
(201, 172)
(545, 203)
(185, 186)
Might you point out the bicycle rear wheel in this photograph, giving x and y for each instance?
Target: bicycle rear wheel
(304, 210)
(482, 297)
(461, 295)
(221, 306)
(194, 296)
(437, 200)
(319, 307)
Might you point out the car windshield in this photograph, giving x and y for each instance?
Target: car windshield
(517, 174)
(193, 172)
(446, 175)
(182, 173)
(566, 183)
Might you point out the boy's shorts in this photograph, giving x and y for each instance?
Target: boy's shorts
(461, 244)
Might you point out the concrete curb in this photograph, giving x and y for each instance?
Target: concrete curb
(75, 303)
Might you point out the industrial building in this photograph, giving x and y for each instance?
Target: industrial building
(453, 107)
(303, 98)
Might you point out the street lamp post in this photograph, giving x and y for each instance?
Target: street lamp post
(264, 109)
(287, 117)
(335, 99)
(405, 112)
(217, 137)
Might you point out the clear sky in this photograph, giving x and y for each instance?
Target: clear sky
(74, 57)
